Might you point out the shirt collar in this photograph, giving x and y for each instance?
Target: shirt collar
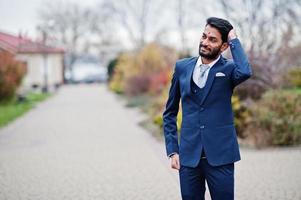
(199, 62)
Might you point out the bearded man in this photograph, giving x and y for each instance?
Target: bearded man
(208, 146)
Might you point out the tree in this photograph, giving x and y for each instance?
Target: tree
(77, 28)
(189, 14)
(137, 18)
(268, 30)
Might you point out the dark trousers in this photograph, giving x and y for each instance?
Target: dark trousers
(220, 181)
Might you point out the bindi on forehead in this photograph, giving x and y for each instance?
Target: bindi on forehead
(210, 34)
(211, 31)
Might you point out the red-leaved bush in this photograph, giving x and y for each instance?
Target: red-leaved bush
(11, 74)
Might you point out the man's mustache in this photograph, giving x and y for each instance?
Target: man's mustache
(205, 46)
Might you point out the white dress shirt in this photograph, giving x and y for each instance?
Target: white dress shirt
(196, 72)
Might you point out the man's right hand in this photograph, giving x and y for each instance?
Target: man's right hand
(232, 35)
(175, 161)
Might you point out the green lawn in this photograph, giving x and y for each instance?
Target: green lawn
(13, 109)
(297, 90)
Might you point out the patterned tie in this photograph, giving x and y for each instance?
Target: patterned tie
(203, 69)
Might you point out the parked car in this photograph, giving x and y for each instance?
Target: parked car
(88, 72)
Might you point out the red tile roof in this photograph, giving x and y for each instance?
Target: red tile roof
(20, 44)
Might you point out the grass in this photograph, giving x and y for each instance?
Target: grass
(297, 90)
(13, 109)
(142, 101)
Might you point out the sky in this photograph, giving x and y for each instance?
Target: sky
(21, 15)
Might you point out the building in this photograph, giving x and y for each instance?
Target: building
(45, 66)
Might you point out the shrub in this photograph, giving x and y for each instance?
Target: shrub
(117, 82)
(11, 74)
(137, 84)
(144, 71)
(159, 81)
(242, 116)
(111, 67)
(276, 119)
(294, 77)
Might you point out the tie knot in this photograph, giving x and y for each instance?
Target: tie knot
(203, 68)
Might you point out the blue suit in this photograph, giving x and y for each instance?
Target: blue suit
(207, 123)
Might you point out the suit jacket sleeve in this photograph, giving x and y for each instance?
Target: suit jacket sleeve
(170, 116)
(242, 69)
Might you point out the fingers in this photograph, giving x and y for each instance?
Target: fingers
(232, 35)
(175, 162)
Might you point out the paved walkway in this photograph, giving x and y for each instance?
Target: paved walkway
(83, 144)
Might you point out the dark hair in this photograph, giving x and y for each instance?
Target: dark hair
(222, 25)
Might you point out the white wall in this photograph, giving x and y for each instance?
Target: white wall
(35, 69)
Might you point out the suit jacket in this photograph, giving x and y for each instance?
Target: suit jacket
(207, 124)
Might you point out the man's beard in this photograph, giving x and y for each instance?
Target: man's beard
(212, 53)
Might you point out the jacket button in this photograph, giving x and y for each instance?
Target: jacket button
(202, 127)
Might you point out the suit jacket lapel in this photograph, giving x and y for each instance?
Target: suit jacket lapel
(189, 72)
